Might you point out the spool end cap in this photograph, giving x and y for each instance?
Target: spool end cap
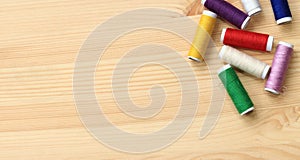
(266, 71)
(223, 34)
(270, 43)
(194, 59)
(245, 23)
(271, 90)
(209, 13)
(286, 44)
(254, 11)
(224, 68)
(247, 111)
(222, 51)
(284, 20)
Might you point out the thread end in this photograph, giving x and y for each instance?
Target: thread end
(247, 111)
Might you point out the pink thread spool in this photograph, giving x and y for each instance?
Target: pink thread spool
(279, 68)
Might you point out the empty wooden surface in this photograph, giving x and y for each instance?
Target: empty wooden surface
(39, 43)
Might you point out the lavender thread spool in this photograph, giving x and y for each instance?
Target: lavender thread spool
(279, 68)
(228, 12)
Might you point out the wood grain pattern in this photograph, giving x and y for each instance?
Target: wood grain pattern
(39, 43)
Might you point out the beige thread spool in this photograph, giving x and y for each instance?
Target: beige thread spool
(244, 62)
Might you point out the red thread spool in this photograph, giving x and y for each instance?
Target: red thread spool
(246, 39)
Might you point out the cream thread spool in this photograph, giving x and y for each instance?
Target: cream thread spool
(244, 62)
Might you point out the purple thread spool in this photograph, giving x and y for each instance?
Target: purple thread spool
(279, 68)
(228, 12)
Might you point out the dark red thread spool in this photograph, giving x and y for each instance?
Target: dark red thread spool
(246, 39)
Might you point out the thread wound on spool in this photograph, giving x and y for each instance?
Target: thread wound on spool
(281, 10)
(202, 37)
(236, 90)
(244, 62)
(279, 69)
(252, 7)
(228, 12)
(247, 39)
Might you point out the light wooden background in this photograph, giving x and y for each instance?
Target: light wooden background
(39, 43)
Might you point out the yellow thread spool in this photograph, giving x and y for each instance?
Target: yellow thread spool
(205, 28)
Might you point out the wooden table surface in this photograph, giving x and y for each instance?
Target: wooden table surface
(40, 41)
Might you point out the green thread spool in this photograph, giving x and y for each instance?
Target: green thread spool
(236, 90)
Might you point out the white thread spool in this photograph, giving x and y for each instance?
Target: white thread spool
(244, 62)
(252, 7)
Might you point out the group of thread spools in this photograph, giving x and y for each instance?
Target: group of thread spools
(240, 38)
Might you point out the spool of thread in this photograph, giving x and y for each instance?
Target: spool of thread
(281, 11)
(246, 39)
(279, 69)
(244, 62)
(201, 41)
(236, 90)
(228, 12)
(252, 7)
